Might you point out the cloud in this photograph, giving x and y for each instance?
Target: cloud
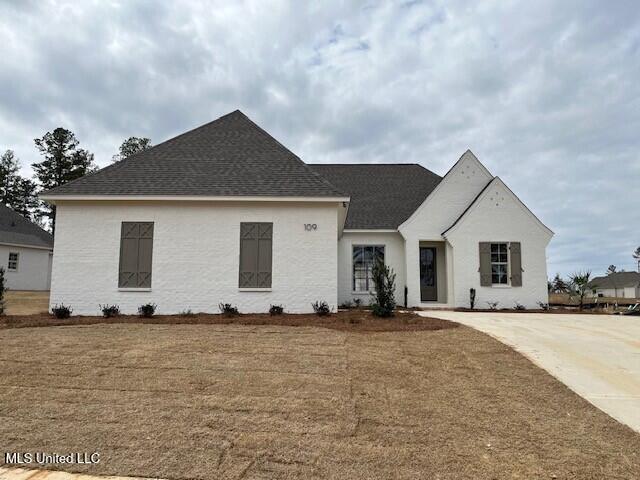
(545, 93)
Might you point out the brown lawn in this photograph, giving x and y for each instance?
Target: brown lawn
(276, 401)
(26, 302)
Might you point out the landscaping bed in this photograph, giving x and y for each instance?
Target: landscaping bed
(354, 320)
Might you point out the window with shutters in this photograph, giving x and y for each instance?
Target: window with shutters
(13, 261)
(364, 258)
(136, 252)
(255, 255)
(499, 264)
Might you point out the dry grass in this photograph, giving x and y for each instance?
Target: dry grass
(272, 401)
(26, 302)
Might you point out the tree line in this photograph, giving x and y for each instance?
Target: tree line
(63, 161)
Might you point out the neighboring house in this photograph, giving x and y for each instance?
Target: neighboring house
(25, 252)
(225, 213)
(618, 284)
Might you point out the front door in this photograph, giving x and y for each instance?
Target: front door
(428, 284)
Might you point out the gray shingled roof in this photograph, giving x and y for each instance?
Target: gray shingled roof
(230, 156)
(616, 280)
(382, 195)
(16, 229)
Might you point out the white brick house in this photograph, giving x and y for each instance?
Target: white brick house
(225, 213)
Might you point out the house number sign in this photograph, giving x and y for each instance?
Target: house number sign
(310, 226)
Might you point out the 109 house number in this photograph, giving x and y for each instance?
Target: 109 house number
(310, 227)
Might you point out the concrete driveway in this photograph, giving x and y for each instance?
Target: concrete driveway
(597, 356)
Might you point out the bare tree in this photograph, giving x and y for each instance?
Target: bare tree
(636, 255)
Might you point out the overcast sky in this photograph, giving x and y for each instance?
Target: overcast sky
(546, 94)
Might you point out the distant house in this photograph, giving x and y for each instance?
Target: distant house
(619, 284)
(26, 252)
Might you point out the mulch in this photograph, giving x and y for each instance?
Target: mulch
(354, 320)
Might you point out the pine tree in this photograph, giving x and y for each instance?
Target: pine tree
(25, 198)
(9, 166)
(63, 162)
(559, 285)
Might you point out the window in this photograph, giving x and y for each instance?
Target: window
(136, 248)
(364, 258)
(499, 264)
(255, 255)
(13, 261)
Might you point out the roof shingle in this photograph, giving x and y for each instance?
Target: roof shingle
(230, 156)
(383, 196)
(17, 230)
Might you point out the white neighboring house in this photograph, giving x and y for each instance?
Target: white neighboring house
(225, 213)
(618, 284)
(25, 252)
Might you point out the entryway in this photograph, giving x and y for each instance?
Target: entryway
(433, 272)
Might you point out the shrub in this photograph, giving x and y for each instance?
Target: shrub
(147, 310)
(228, 309)
(357, 302)
(543, 306)
(61, 311)
(384, 280)
(109, 310)
(276, 310)
(3, 288)
(493, 305)
(187, 313)
(346, 305)
(519, 306)
(472, 297)
(321, 308)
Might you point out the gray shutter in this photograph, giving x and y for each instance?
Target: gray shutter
(255, 255)
(265, 232)
(145, 254)
(248, 255)
(485, 264)
(516, 264)
(136, 247)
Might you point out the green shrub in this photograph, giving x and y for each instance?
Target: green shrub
(276, 310)
(321, 308)
(384, 280)
(147, 310)
(61, 311)
(109, 310)
(228, 310)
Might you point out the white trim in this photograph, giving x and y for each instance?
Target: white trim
(189, 198)
(370, 230)
(256, 289)
(134, 289)
(26, 246)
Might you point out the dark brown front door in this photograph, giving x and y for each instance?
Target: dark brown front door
(428, 284)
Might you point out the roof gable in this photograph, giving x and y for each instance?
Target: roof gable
(231, 156)
(450, 197)
(17, 230)
(493, 184)
(382, 195)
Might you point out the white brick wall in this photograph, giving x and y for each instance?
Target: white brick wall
(394, 257)
(195, 255)
(33, 268)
